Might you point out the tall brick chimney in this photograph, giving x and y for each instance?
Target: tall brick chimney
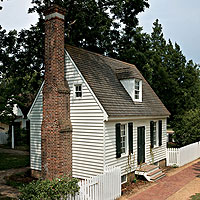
(56, 125)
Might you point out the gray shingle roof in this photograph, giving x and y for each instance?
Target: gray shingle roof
(103, 75)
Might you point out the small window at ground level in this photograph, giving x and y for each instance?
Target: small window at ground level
(78, 91)
(123, 179)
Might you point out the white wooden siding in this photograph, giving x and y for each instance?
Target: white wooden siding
(35, 117)
(110, 146)
(87, 124)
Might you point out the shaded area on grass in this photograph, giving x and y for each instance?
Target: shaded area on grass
(20, 179)
(9, 161)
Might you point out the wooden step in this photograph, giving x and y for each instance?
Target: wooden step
(157, 177)
(147, 168)
(154, 172)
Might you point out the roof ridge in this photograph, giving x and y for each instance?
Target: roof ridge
(104, 56)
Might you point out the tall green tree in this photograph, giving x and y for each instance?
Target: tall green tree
(97, 25)
(93, 25)
(20, 70)
(174, 80)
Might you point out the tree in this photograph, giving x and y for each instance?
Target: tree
(97, 25)
(94, 25)
(108, 27)
(174, 80)
(20, 70)
(187, 128)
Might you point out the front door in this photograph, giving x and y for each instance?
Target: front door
(141, 144)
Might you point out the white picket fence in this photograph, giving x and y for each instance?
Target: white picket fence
(106, 186)
(3, 138)
(183, 155)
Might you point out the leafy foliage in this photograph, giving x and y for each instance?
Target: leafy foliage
(196, 196)
(46, 189)
(108, 27)
(20, 70)
(174, 80)
(187, 128)
(93, 25)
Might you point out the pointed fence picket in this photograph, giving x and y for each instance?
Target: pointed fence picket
(106, 186)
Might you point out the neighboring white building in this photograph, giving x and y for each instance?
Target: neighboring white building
(19, 116)
(114, 114)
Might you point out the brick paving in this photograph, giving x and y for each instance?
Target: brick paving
(6, 190)
(169, 185)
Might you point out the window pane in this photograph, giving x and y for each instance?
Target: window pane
(137, 90)
(123, 139)
(137, 94)
(155, 134)
(78, 91)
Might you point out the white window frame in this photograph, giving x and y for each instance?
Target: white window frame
(126, 139)
(125, 179)
(139, 99)
(75, 92)
(156, 134)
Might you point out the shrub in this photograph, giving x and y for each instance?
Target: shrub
(47, 190)
(187, 128)
(195, 197)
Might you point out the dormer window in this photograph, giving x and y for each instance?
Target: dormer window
(134, 88)
(78, 91)
(138, 90)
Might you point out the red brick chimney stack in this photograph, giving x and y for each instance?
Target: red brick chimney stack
(56, 124)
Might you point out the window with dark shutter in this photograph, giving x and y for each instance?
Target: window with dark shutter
(152, 133)
(118, 140)
(160, 132)
(130, 137)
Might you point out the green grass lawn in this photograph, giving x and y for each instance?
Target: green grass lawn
(8, 161)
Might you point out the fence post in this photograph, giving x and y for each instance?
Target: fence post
(167, 157)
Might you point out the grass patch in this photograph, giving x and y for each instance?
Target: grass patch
(195, 197)
(9, 161)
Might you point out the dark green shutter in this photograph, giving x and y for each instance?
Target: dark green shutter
(118, 140)
(151, 134)
(160, 132)
(130, 137)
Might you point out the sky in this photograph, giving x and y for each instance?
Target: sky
(14, 14)
(180, 20)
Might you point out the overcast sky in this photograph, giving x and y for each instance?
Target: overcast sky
(180, 20)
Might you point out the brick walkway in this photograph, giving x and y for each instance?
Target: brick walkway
(169, 185)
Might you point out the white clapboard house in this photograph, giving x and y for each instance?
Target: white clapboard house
(117, 119)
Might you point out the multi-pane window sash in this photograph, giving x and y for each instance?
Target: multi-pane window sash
(155, 133)
(137, 89)
(78, 90)
(123, 139)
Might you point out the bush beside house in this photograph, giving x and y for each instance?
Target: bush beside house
(187, 128)
(46, 189)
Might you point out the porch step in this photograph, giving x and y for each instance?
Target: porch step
(150, 172)
(148, 168)
(157, 177)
